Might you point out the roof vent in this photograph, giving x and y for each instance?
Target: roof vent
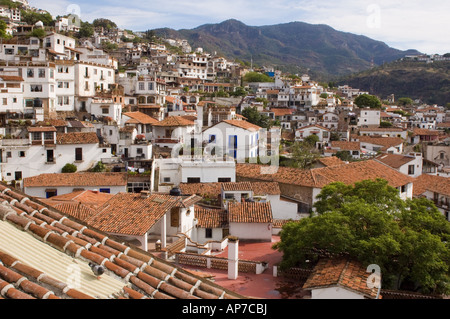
(145, 194)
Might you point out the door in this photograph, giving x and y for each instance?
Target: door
(175, 217)
(50, 156)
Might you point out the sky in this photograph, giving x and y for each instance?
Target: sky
(402, 24)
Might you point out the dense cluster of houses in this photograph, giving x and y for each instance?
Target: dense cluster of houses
(158, 127)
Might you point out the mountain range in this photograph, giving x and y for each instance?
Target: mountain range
(292, 47)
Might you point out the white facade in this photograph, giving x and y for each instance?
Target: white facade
(65, 86)
(91, 77)
(369, 117)
(335, 293)
(252, 231)
(321, 132)
(232, 141)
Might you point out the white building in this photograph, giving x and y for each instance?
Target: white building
(45, 151)
(410, 164)
(369, 118)
(50, 185)
(237, 139)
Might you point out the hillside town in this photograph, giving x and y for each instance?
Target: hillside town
(175, 169)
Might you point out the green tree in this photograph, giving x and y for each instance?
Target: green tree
(257, 77)
(86, 30)
(304, 154)
(99, 167)
(38, 33)
(3, 27)
(31, 17)
(104, 23)
(69, 168)
(366, 100)
(404, 101)
(255, 117)
(369, 222)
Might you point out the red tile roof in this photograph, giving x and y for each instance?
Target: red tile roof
(243, 124)
(394, 160)
(320, 177)
(143, 274)
(42, 129)
(133, 214)
(247, 212)
(343, 273)
(432, 183)
(140, 118)
(346, 146)
(211, 218)
(331, 161)
(77, 180)
(173, 121)
(215, 189)
(77, 138)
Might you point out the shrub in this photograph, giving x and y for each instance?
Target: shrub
(69, 168)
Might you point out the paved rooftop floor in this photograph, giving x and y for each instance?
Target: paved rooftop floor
(265, 285)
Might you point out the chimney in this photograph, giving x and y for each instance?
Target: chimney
(233, 257)
(145, 194)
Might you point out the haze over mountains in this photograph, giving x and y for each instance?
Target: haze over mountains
(295, 47)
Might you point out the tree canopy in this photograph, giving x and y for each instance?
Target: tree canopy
(257, 77)
(371, 223)
(255, 117)
(105, 23)
(366, 100)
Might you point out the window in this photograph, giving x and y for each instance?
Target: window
(208, 233)
(212, 139)
(41, 73)
(229, 196)
(141, 86)
(8, 154)
(21, 154)
(18, 176)
(48, 136)
(224, 180)
(78, 154)
(166, 179)
(5, 101)
(37, 136)
(411, 169)
(105, 190)
(51, 193)
(105, 110)
(30, 73)
(36, 88)
(139, 151)
(193, 180)
(404, 189)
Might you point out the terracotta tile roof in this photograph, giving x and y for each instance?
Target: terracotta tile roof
(215, 189)
(243, 124)
(77, 180)
(140, 118)
(381, 141)
(174, 121)
(331, 161)
(39, 244)
(320, 177)
(342, 273)
(346, 146)
(42, 129)
(127, 129)
(202, 189)
(314, 125)
(77, 138)
(265, 188)
(281, 112)
(86, 197)
(133, 214)
(76, 210)
(239, 186)
(381, 129)
(248, 212)
(425, 132)
(54, 122)
(394, 160)
(211, 218)
(432, 183)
